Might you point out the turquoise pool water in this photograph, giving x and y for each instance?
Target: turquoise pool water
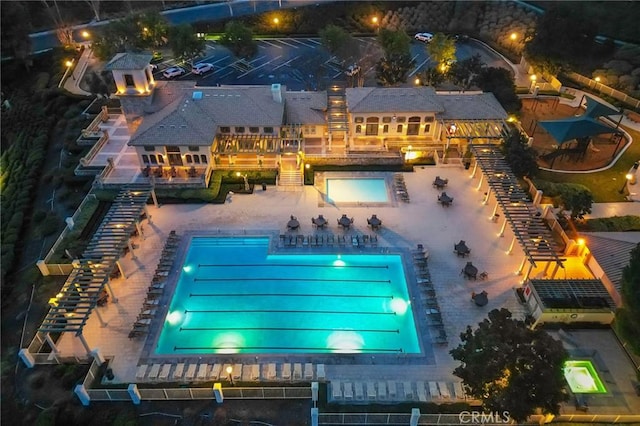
(232, 296)
(357, 190)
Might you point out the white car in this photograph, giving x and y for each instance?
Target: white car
(352, 70)
(201, 68)
(173, 72)
(424, 37)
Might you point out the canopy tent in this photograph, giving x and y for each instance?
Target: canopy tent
(596, 109)
(575, 127)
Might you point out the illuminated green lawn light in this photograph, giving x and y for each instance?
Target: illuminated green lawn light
(582, 377)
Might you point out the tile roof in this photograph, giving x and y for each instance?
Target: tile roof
(195, 121)
(392, 99)
(611, 254)
(129, 61)
(305, 107)
(471, 106)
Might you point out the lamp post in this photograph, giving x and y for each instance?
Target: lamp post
(276, 22)
(376, 23)
(230, 375)
(246, 181)
(627, 178)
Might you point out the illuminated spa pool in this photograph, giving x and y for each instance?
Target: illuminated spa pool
(232, 296)
(582, 377)
(357, 190)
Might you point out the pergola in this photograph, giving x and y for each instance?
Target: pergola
(234, 143)
(475, 129)
(528, 227)
(71, 308)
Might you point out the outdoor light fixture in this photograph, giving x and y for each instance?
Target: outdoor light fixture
(513, 36)
(627, 178)
(68, 63)
(85, 34)
(229, 371)
(597, 79)
(417, 81)
(533, 77)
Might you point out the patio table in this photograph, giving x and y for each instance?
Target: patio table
(293, 223)
(445, 199)
(440, 183)
(320, 221)
(461, 248)
(374, 222)
(345, 222)
(470, 271)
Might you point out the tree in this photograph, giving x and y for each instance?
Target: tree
(575, 198)
(562, 36)
(239, 39)
(628, 317)
(511, 367)
(101, 85)
(154, 29)
(393, 70)
(184, 43)
(431, 77)
(464, 72)
(95, 8)
(15, 26)
(333, 37)
(442, 49)
(394, 42)
(500, 82)
(519, 155)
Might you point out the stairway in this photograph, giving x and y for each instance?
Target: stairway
(289, 176)
(337, 112)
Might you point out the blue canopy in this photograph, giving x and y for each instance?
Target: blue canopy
(574, 127)
(597, 109)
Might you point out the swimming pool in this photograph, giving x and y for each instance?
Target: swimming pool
(233, 296)
(357, 190)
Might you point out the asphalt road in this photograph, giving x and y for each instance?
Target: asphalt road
(303, 64)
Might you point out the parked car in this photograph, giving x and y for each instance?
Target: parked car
(173, 72)
(424, 37)
(156, 56)
(202, 68)
(352, 70)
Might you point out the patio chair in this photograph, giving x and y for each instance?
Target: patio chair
(421, 391)
(271, 371)
(371, 390)
(408, 390)
(214, 374)
(202, 372)
(359, 391)
(141, 371)
(164, 372)
(434, 391)
(297, 371)
(347, 390)
(308, 371)
(336, 389)
(286, 371)
(179, 371)
(153, 373)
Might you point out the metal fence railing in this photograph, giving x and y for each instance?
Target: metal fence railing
(602, 88)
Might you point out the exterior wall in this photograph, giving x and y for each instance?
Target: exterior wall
(386, 121)
(314, 130)
(162, 157)
(139, 82)
(604, 318)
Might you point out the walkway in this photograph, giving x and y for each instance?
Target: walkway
(614, 209)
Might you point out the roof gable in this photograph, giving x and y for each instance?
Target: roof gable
(394, 99)
(129, 61)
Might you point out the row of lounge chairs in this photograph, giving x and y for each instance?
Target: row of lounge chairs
(204, 372)
(428, 293)
(356, 240)
(391, 390)
(155, 291)
(400, 187)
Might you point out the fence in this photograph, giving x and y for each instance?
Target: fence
(84, 161)
(596, 85)
(63, 268)
(36, 345)
(93, 130)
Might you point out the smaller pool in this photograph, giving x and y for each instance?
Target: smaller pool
(582, 377)
(357, 190)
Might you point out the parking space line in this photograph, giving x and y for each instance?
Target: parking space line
(258, 67)
(426, 61)
(315, 41)
(286, 63)
(224, 75)
(270, 44)
(298, 41)
(291, 45)
(220, 60)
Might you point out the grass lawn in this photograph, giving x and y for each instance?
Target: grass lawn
(605, 186)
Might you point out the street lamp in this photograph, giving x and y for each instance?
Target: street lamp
(627, 178)
(246, 182)
(68, 63)
(229, 371)
(276, 22)
(513, 36)
(376, 22)
(417, 81)
(85, 34)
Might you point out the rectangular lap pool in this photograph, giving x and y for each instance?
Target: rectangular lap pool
(232, 296)
(357, 190)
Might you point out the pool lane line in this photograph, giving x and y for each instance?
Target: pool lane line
(243, 265)
(362, 330)
(359, 296)
(322, 280)
(272, 311)
(286, 348)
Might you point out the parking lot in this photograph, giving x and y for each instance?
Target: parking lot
(304, 64)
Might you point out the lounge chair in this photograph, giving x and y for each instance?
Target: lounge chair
(164, 372)
(237, 371)
(382, 390)
(433, 390)
(153, 373)
(297, 371)
(421, 392)
(308, 371)
(408, 390)
(444, 390)
(347, 390)
(458, 390)
(179, 371)
(371, 391)
(141, 371)
(336, 389)
(255, 371)
(286, 371)
(320, 374)
(191, 372)
(359, 391)
(271, 371)
(393, 390)
(214, 374)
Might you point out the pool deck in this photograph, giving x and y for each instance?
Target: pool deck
(404, 225)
